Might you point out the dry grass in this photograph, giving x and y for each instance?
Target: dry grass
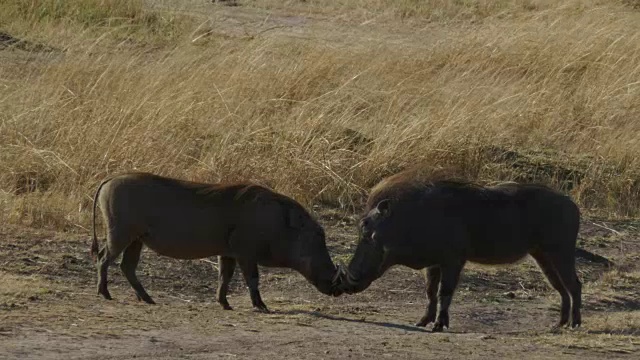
(524, 90)
(612, 332)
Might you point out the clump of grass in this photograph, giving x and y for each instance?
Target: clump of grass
(550, 98)
(87, 12)
(433, 11)
(121, 19)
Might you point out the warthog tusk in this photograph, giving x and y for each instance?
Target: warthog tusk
(338, 275)
(351, 280)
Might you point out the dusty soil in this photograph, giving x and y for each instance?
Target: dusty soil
(49, 308)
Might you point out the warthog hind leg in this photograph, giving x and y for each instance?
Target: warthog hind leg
(103, 268)
(566, 267)
(116, 242)
(130, 259)
(432, 275)
(549, 270)
(252, 278)
(226, 267)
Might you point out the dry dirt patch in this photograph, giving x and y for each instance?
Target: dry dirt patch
(49, 310)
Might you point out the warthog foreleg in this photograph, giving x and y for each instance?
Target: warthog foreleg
(252, 279)
(432, 276)
(130, 259)
(226, 266)
(449, 276)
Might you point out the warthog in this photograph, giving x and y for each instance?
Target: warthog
(439, 226)
(243, 223)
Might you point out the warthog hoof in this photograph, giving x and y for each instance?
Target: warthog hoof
(441, 323)
(574, 325)
(149, 301)
(259, 304)
(224, 303)
(565, 325)
(427, 319)
(146, 299)
(261, 307)
(105, 294)
(576, 321)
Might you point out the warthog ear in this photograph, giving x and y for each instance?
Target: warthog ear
(383, 207)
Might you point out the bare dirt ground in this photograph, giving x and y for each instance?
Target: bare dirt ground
(49, 308)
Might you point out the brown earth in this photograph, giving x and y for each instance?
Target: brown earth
(49, 308)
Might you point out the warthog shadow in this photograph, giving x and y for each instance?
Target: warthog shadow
(362, 321)
(615, 303)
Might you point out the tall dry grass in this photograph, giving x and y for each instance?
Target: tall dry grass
(550, 93)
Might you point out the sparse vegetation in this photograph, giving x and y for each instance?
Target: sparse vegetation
(87, 12)
(77, 24)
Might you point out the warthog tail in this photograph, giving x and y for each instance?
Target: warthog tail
(94, 244)
(589, 256)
